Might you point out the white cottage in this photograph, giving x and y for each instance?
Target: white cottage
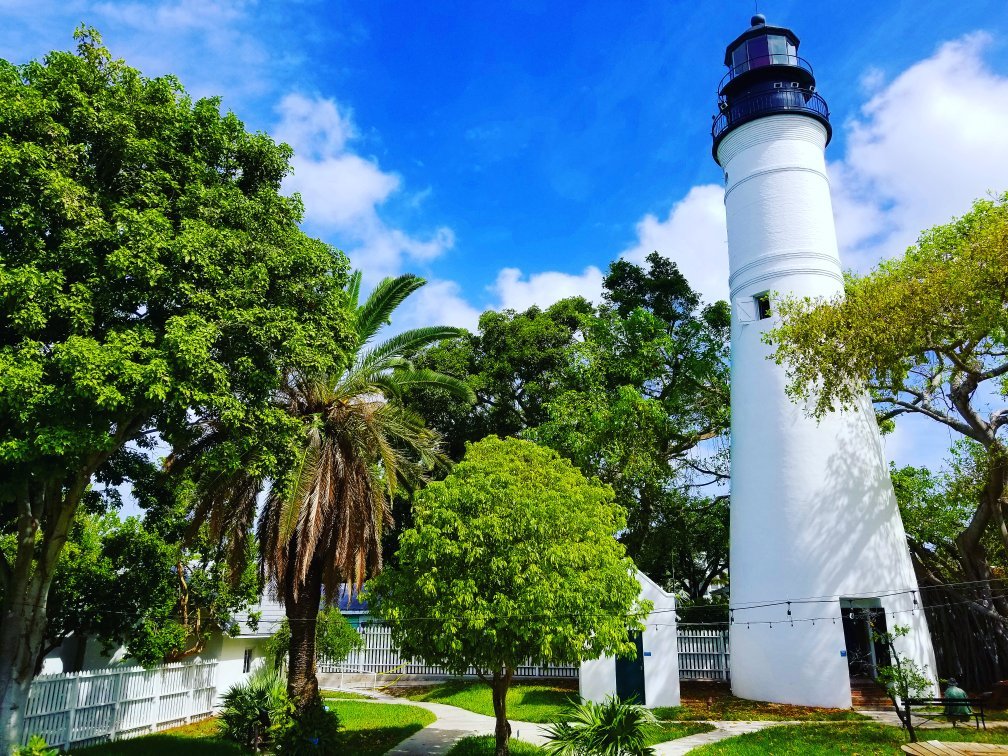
(652, 678)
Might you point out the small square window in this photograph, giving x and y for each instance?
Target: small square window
(247, 661)
(763, 305)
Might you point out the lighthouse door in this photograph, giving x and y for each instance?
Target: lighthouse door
(861, 623)
(630, 674)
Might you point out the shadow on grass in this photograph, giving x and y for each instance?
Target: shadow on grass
(375, 741)
(156, 745)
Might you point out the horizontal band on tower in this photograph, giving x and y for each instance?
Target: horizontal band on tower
(778, 169)
(771, 129)
(782, 273)
(764, 259)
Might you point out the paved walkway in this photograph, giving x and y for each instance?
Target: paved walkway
(453, 724)
(722, 730)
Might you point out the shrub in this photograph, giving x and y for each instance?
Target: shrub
(36, 746)
(316, 731)
(611, 728)
(256, 710)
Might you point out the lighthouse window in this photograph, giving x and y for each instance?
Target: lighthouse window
(763, 305)
(739, 59)
(779, 50)
(759, 52)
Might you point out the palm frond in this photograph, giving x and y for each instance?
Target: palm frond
(425, 377)
(410, 341)
(353, 289)
(378, 308)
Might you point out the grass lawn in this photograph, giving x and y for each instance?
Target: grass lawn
(343, 695)
(526, 703)
(368, 729)
(849, 738)
(714, 701)
(198, 739)
(483, 745)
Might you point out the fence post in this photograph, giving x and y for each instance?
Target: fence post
(722, 667)
(117, 694)
(72, 696)
(156, 698)
(190, 684)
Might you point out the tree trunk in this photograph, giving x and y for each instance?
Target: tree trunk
(502, 732)
(26, 592)
(302, 615)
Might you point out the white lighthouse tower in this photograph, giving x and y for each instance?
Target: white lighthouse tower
(818, 549)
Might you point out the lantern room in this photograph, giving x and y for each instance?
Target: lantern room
(765, 77)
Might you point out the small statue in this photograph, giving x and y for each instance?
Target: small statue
(956, 712)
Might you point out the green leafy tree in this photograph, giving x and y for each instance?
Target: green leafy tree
(644, 406)
(323, 519)
(935, 508)
(150, 273)
(335, 638)
(512, 560)
(513, 365)
(926, 333)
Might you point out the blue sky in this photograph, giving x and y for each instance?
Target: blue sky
(509, 151)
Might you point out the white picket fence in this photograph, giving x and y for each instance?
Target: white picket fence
(380, 656)
(703, 653)
(82, 708)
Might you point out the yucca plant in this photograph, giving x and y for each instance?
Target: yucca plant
(610, 728)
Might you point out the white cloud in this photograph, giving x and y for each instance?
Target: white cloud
(515, 292)
(923, 147)
(342, 190)
(694, 235)
(181, 15)
(437, 303)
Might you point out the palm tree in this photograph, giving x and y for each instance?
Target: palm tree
(321, 525)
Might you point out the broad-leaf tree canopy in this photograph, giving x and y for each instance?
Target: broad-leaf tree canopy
(151, 272)
(512, 559)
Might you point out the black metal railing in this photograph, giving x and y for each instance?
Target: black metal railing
(770, 59)
(783, 100)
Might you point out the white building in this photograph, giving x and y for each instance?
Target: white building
(817, 544)
(236, 656)
(652, 678)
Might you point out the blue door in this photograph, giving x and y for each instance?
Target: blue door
(630, 673)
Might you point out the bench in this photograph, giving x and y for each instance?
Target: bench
(976, 707)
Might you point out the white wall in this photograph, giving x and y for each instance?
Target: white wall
(230, 655)
(661, 655)
(812, 510)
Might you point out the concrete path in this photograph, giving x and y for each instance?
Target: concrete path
(722, 731)
(453, 724)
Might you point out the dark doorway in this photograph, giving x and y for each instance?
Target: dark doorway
(630, 674)
(864, 654)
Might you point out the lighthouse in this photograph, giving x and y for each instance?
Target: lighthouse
(818, 552)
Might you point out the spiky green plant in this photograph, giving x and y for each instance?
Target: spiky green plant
(255, 709)
(610, 728)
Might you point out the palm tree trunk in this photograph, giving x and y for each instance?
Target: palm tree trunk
(302, 615)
